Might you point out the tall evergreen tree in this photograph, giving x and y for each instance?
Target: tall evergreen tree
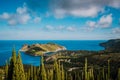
(86, 69)
(11, 71)
(19, 69)
(62, 74)
(42, 70)
(6, 70)
(119, 74)
(31, 72)
(56, 71)
(108, 69)
(34, 73)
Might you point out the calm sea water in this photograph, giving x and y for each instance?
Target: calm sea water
(7, 45)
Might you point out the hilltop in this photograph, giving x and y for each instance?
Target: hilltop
(112, 45)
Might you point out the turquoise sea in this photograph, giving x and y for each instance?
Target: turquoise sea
(7, 45)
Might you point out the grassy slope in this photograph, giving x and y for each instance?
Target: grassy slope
(43, 48)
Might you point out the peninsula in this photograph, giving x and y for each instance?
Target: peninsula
(112, 45)
(40, 49)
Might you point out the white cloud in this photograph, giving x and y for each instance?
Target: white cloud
(80, 12)
(88, 12)
(21, 10)
(115, 3)
(5, 16)
(104, 22)
(91, 24)
(116, 30)
(12, 22)
(59, 13)
(24, 18)
(37, 19)
(49, 27)
(70, 28)
(81, 8)
(60, 28)
(21, 16)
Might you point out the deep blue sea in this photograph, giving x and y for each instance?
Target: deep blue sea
(7, 45)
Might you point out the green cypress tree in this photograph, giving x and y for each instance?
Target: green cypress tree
(108, 69)
(86, 69)
(66, 76)
(42, 70)
(62, 74)
(1, 77)
(119, 74)
(28, 74)
(34, 73)
(78, 76)
(6, 70)
(11, 70)
(31, 72)
(19, 69)
(69, 77)
(51, 74)
(56, 71)
(103, 73)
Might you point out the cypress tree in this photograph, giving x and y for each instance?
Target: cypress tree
(78, 76)
(34, 73)
(62, 74)
(103, 73)
(51, 74)
(66, 76)
(11, 70)
(28, 74)
(43, 71)
(108, 69)
(6, 70)
(82, 75)
(1, 77)
(19, 69)
(86, 69)
(31, 72)
(119, 74)
(56, 71)
(69, 76)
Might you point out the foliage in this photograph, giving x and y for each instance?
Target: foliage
(14, 70)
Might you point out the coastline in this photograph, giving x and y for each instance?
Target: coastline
(27, 59)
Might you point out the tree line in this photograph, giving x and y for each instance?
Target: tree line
(14, 70)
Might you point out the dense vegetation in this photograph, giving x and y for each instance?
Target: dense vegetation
(112, 45)
(14, 70)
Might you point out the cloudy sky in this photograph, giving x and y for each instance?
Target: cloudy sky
(59, 19)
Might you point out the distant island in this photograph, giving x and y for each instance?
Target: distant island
(40, 49)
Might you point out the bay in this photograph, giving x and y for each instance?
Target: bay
(7, 45)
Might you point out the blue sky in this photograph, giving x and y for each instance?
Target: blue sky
(59, 19)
